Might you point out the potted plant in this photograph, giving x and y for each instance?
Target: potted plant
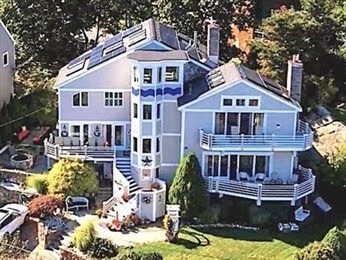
(155, 186)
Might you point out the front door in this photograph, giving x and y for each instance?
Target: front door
(119, 135)
(85, 134)
(109, 134)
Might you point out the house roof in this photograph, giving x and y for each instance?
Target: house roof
(148, 55)
(7, 31)
(129, 40)
(226, 75)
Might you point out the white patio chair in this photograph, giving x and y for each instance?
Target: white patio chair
(243, 176)
(259, 177)
(301, 214)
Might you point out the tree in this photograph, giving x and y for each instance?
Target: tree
(187, 188)
(311, 32)
(45, 206)
(337, 241)
(72, 178)
(179, 14)
(316, 251)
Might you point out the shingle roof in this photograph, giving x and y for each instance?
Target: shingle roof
(127, 41)
(228, 74)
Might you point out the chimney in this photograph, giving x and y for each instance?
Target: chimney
(213, 40)
(294, 77)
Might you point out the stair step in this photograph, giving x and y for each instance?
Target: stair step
(132, 191)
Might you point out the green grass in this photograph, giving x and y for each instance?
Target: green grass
(235, 244)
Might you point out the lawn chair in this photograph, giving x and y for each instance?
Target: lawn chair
(243, 176)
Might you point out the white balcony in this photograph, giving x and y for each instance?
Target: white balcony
(287, 190)
(301, 141)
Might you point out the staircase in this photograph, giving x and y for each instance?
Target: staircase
(124, 166)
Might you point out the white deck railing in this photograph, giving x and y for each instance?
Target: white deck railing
(97, 153)
(302, 140)
(262, 192)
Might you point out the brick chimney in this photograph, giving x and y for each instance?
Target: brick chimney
(294, 77)
(213, 40)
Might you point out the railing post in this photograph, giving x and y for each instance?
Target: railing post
(313, 182)
(259, 194)
(217, 185)
(242, 141)
(85, 151)
(293, 202)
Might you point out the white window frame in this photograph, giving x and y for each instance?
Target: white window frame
(177, 74)
(136, 74)
(80, 94)
(151, 145)
(73, 133)
(152, 76)
(152, 114)
(5, 54)
(235, 107)
(115, 97)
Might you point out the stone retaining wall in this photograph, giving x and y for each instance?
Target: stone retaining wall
(16, 176)
(8, 196)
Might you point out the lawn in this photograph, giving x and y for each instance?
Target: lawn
(235, 244)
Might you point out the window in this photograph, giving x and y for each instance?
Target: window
(240, 102)
(172, 74)
(135, 74)
(113, 99)
(157, 144)
(135, 144)
(158, 111)
(159, 75)
(80, 99)
(253, 102)
(148, 76)
(135, 110)
(5, 59)
(147, 112)
(146, 145)
(227, 102)
(75, 131)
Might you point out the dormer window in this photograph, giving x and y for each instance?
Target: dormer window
(172, 74)
(148, 76)
(80, 99)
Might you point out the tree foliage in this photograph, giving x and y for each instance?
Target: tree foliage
(337, 241)
(315, 32)
(72, 178)
(187, 188)
(316, 251)
(45, 206)
(187, 16)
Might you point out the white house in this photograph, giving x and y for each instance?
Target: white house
(136, 103)
(7, 64)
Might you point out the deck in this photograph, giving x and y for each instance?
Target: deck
(300, 141)
(264, 192)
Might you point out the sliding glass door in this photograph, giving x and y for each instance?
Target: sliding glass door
(238, 123)
(230, 165)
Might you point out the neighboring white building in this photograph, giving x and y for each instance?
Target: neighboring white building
(7, 64)
(138, 102)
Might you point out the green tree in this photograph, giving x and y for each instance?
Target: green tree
(187, 188)
(337, 241)
(314, 32)
(179, 14)
(72, 178)
(316, 251)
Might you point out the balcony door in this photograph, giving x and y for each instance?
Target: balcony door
(245, 126)
(226, 123)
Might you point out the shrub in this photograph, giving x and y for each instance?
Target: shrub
(16, 250)
(38, 182)
(337, 241)
(316, 251)
(168, 225)
(72, 178)
(84, 236)
(187, 189)
(45, 206)
(99, 213)
(141, 256)
(102, 248)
